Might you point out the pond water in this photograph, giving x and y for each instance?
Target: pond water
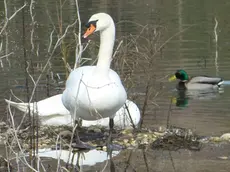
(158, 37)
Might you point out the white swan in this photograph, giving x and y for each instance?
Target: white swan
(52, 112)
(95, 92)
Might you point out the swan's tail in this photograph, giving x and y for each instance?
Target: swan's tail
(21, 106)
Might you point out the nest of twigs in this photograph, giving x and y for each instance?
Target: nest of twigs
(178, 138)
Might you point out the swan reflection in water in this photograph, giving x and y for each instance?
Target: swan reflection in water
(77, 158)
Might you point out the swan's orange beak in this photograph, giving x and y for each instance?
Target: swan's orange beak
(89, 31)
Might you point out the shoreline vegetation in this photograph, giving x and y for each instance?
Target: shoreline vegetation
(161, 138)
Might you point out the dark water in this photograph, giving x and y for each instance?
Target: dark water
(159, 38)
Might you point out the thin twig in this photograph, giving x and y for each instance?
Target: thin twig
(116, 51)
(128, 161)
(7, 55)
(51, 41)
(79, 47)
(47, 62)
(145, 103)
(169, 113)
(126, 107)
(11, 17)
(170, 38)
(33, 23)
(146, 161)
(59, 158)
(17, 140)
(216, 43)
(173, 163)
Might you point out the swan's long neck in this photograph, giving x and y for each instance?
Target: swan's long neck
(107, 38)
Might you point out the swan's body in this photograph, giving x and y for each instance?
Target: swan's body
(95, 92)
(92, 95)
(52, 112)
(122, 119)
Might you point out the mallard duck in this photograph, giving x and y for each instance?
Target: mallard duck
(95, 92)
(52, 112)
(195, 83)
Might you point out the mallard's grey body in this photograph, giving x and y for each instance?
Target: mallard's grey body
(197, 82)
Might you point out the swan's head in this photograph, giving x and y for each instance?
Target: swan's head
(97, 22)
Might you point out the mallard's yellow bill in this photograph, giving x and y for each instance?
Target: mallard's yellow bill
(174, 100)
(172, 78)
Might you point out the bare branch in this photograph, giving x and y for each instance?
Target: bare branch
(86, 45)
(61, 38)
(51, 41)
(114, 54)
(11, 17)
(32, 22)
(7, 55)
(216, 41)
(79, 47)
(48, 61)
(67, 65)
(14, 133)
(27, 70)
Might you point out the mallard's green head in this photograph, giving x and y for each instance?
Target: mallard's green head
(181, 75)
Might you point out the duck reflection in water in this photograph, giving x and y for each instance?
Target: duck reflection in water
(182, 98)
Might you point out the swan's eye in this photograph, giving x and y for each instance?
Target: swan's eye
(87, 25)
(94, 23)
